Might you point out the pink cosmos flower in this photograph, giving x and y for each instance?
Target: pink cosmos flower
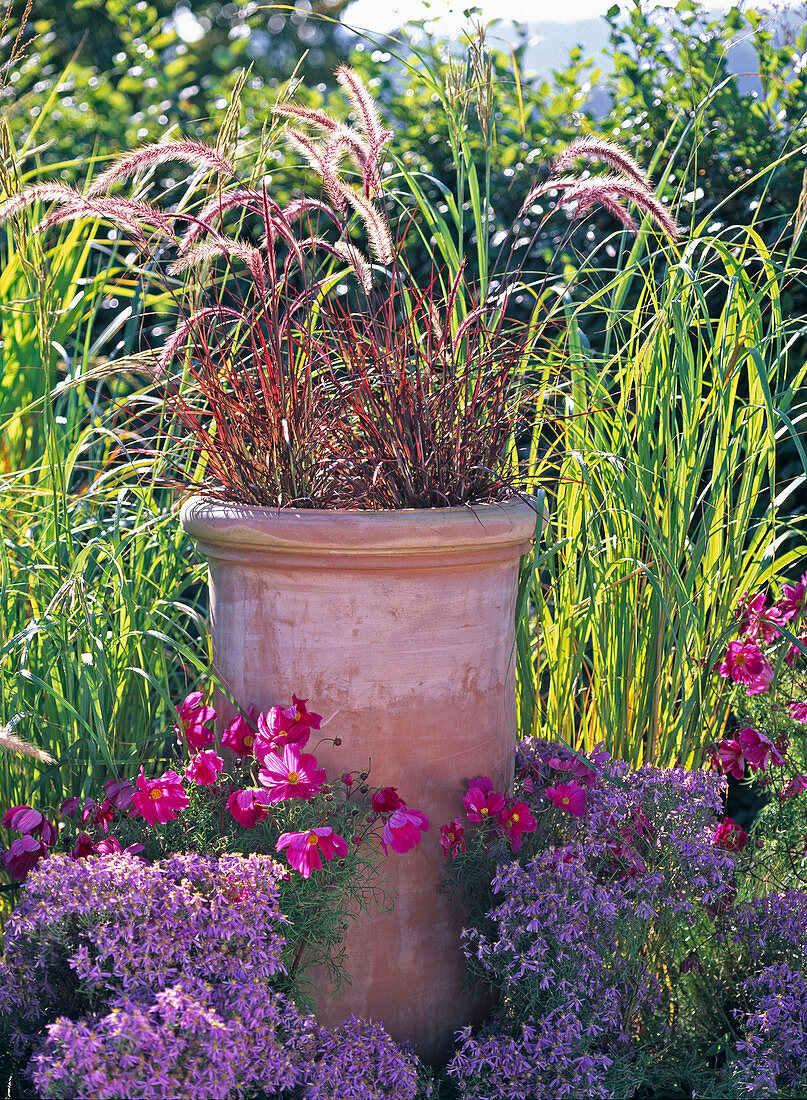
(159, 799)
(793, 652)
(745, 663)
(730, 836)
(247, 807)
(452, 838)
(285, 726)
(402, 830)
(193, 716)
(386, 800)
(758, 749)
(756, 619)
(798, 711)
(569, 797)
(515, 820)
(120, 793)
(84, 847)
(27, 820)
(791, 606)
(22, 855)
(307, 850)
(240, 735)
(292, 774)
(481, 801)
(203, 768)
(795, 786)
(580, 771)
(730, 758)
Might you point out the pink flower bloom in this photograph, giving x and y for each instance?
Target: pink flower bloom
(730, 759)
(452, 838)
(240, 734)
(386, 800)
(793, 652)
(22, 855)
(579, 770)
(569, 797)
(120, 793)
(791, 606)
(795, 786)
(481, 801)
(758, 749)
(27, 820)
(159, 799)
(285, 726)
(515, 820)
(111, 845)
(402, 830)
(203, 768)
(730, 836)
(84, 847)
(307, 850)
(798, 711)
(756, 619)
(193, 716)
(745, 663)
(293, 774)
(69, 807)
(247, 807)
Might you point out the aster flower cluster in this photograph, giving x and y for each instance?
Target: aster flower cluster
(127, 979)
(585, 929)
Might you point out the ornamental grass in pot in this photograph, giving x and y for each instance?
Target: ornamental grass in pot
(360, 503)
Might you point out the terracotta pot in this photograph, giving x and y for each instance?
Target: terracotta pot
(399, 628)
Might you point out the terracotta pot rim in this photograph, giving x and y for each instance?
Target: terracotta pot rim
(221, 528)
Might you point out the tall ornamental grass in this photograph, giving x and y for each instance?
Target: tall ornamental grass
(660, 462)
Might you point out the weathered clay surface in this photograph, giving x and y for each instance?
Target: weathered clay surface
(399, 629)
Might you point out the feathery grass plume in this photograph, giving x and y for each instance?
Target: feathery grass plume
(299, 208)
(40, 192)
(244, 197)
(194, 153)
(9, 742)
(594, 148)
(607, 190)
(231, 249)
(125, 213)
(369, 119)
(325, 160)
(378, 231)
(343, 250)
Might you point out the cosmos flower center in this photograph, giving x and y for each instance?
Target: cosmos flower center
(313, 839)
(565, 801)
(249, 742)
(293, 777)
(515, 816)
(484, 811)
(155, 793)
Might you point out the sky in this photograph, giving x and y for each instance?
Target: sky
(387, 15)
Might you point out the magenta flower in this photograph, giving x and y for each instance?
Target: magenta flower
(285, 726)
(84, 846)
(798, 711)
(745, 663)
(247, 807)
(756, 619)
(193, 716)
(579, 770)
(452, 838)
(386, 800)
(569, 797)
(730, 758)
(481, 801)
(22, 855)
(27, 820)
(730, 836)
(120, 793)
(791, 606)
(793, 652)
(517, 819)
(402, 830)
(159, 799)
(307, 850)
(240, 735)
(758, 749)
(293, 774)
(204, 768)
(795, 786)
